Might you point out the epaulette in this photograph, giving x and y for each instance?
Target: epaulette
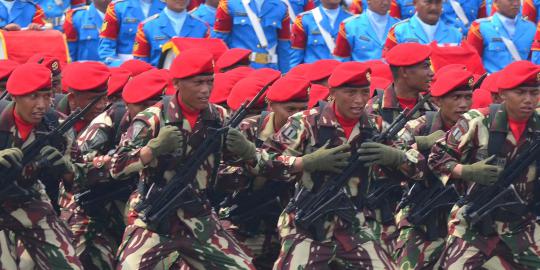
(401, 22)
(486, 19)
(79, 8)
(153, 17)
(117, 1)
(193, 10)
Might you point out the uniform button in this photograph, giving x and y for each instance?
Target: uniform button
(315, 41)
(130, 30)
(243, 21)
(160, 46)
(274, 23)
(89, 37)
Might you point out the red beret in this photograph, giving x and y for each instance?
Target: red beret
(490, 83)
(378, 83)
(192, 62)
(224, 82)
(136, 66)
(350, 73)
(321, 69)
(6, 67)
(232, 57)
(447, 68)
(119, 78)
(380, 69)
(266, 75)
(407, 54)
(288, 89)
(481, 98)
(243, 90)
(51, 62)
(456, 79)
(145, 86)
(299, 71)
(28, 78)
(517, 74)
(317, 93)
(85, 76)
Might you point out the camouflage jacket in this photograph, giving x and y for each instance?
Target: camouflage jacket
(145, 126)
(466, 143)
(387, 105)
(32, 176)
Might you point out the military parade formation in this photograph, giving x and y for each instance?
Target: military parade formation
(327, 134)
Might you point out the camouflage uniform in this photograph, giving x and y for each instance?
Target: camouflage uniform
(192, 233)
(412, 250)
(517, 240)
(351, 245)
(96, 235)
(31, 221)
(258, 234)
(387, 106)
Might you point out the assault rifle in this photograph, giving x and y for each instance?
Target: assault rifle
(32, 151)
(180, 192)
(313, 208)
(482, 202)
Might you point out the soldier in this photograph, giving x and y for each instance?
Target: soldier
(502, 38)
(30, 219)
(82, 27)
(55, 10)
(21, 14)
(6, 67)
(117, 34)
(314, 32)
(119, 78)
(402, 9)
(207, 12)
(232, 58)
(463, 158)
(461, 13)
(174, 128)
(452, 92)
(530, 10)
(260, 26)
(362, 37)
(424, 27)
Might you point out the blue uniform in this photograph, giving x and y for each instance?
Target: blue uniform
(473, 9)
(402, 9)
(307, 42)
(358, 41)
(234, 27)
(410, 30)
(82, 33)
(157, 30)
(205, 13)
(119, 28)
(55, 10)
(487, 34)
(22, 13)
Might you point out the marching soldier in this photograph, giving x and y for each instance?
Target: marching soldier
(262, 26)
(119, 28)
(424, 27)
(461, 13)
(157, 139)
(30, 218)
(82, 27)
(18, 14)
(314, 32)
(362, 37)
(502, 38)
(452, 92)
(172, 21)
(464, 158)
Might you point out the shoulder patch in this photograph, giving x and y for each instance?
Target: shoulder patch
(80, 8)
(153, 17)
(481, 20)
(117, 1)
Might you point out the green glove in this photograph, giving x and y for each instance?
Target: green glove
(55, 161)
(481, 172)
(10, 158)
(239, 145)
(167, 141)
(380, 154)
(327, 160)
(424, 143)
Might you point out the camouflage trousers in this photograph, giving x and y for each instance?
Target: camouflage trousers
(145, 249)
(414, 252)
(386, 234)
(31, 230)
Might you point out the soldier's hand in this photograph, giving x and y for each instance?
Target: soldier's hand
(55, 161)
(168, 140)
(327, 160)
(424, 143)
(481, 172)
(10, 158)
(380, 154)
(12, 27)
(239, 145)
(34, 26)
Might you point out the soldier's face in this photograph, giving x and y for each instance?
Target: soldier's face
(428, 10)
(350, 101)
(177, 5)
(520, 102)
(32, 107)
(283, 110)
(419, 76)
(81, 99)
(508, 8)
(379, 6)
(195, 91)
(453, 105)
